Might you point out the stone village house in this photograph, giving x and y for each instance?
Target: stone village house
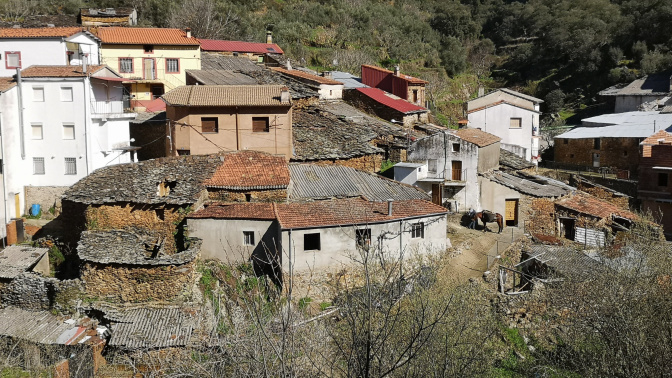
(447, 166)
(655, 178)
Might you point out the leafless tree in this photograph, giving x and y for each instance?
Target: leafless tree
(16, 10)
(206, 19)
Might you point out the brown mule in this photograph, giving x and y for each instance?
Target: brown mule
(498, 218)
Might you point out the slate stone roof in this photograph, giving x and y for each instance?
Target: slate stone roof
(226, 95)
(239, 46)
(59, 71)
(253, 210)
(215, 61)
(221, 77)
(328, 213)
(149, 117)
(477, 137)
(250, 170)
(344, 212)
(145, 36)
(651, 85)
(61, 32)
(595, 207)
(508, 159)
(306, 76)
(131, 248)
(153, 327)
(537, 186)
(17, 259)
(138, 182)
(310, 181)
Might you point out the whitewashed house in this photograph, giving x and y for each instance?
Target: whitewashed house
(58, 124)
(306, 236)
(446, 165)
(510, 115)
(21, 48)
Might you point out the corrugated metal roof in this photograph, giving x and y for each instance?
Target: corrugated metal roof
(633, 118)
(613, 131)
(349, 80)
(563, 260)
(37, 326)
(152, 328)
(391, 101)
(240, 46)
(316, 181)
(17, 259)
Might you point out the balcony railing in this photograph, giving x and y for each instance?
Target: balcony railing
(108, 107)
(449, 175)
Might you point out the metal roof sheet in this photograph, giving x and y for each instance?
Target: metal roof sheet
(152, 328)
(17, 259)
(660, 119)
(36, 326)
(563, 260)
(613, 131)
(391, 101)
(349, 80)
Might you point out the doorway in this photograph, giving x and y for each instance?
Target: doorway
(511, 212)
(436, 194)
(457, 170)
(157, 90)
(149, 68)
(596, 159)
(568, 230)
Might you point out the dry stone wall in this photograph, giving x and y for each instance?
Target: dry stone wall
(34, 292)
(136, 284)
(45, 196)
(367, 163)
(241, 196)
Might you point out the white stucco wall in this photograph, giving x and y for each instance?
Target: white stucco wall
(338, 244)
(409, 175)
(330, 92)
(87, 45)
(12, 179)
(494, 195)
(496, 120)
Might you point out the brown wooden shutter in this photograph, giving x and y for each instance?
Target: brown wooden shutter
(209, 125)
(259, 124)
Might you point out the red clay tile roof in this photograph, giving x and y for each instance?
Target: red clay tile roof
(239, 46)
(227, 95)
(477, 137)
(394, 102)
(59, 71)
(655, 140)
(260, 211)
(250, 170)
(350, 211)
(6, 83)
(410, 79)
(144, 36)
(589, 205)
(307, 76)
(39, 32)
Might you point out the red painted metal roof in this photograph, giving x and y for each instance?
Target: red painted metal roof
(239, 46)
(388, 100)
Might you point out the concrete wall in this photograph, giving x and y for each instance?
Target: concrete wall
(632, 103)
(494, 196)
(235, 130)
(496, 120)
(338, 244)
(330, 92)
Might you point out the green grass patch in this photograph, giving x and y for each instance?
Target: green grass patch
(385, 165)
(304, 302)
(324, 305)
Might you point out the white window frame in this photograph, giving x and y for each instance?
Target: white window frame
(248, 238)
(418, 230)
(35, 90)
(64, 91)
(69, 125)
(35, 126)
(121, 65)
(38, 166)
(518, 120)
(70, 162)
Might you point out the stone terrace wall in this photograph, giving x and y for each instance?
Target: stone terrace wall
(367, 163)
(255, 195)
(163, 220)
(136, 284)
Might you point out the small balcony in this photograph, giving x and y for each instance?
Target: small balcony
(453, 177)
(110, 109)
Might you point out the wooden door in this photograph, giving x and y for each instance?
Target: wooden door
(457, 170)
(150, 73)
(596, 159)
(17, 205)
(511, 212)
(436, 194)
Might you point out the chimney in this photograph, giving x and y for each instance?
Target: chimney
(481, 91)
(288, 65)
(284, 95)
(389, 207)
(85, 59)
(269, 37)
(327, 74)
(396, 70)
(188, 30)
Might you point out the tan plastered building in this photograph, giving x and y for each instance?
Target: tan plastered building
(214, 118)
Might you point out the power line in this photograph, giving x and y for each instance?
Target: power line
(201, 134)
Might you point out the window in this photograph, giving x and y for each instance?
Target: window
(172, 65)
(625, 153)
(311, 242)
(516, 123)
(662, 179)
(149, 49)
(418, 230)
(68, 131)
(209, 125)
(565, 141)
(36, 131)
(363, 237)
(71, 166)
(260, 124)
(126, 65)
(38, 94)
(248, 237)
(431, 165)
(12, 59)
(66, 94)
(597, 143)
(183, 152)
(456, 147)
(38, 166)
